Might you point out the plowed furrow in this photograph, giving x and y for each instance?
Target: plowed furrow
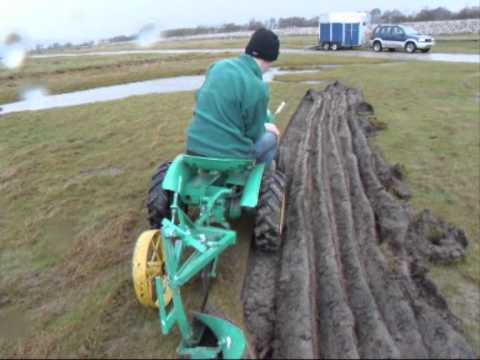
(351, 278)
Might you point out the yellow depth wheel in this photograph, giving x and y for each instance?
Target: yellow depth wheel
(147, 264)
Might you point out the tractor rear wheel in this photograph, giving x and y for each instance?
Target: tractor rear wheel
(270, 213)
(158, 202)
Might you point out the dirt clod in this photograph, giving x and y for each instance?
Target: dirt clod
(351, 279)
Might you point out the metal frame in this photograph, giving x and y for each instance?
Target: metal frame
(218, 189)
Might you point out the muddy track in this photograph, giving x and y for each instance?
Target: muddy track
(351, 279)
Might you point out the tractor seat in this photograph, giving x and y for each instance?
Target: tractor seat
(217, 164)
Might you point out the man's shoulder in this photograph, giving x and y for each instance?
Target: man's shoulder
(226, 63)
(231, 70)
(238, 71)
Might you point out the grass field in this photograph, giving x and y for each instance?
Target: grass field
(444, 44)
(73, 184)
(457, 46)
(465, 43)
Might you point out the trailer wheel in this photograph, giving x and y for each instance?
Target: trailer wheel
(270, 213)
(326, 46)
(334, 47)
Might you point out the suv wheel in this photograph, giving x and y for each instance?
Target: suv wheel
(410, 47)
(377, 46)
(326, 46)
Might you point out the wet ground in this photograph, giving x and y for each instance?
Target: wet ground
(401, 56)
(455, 58)
(37, 99)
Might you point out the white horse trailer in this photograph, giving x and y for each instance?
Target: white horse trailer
(341, 30)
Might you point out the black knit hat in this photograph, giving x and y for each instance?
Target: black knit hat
(263, 44)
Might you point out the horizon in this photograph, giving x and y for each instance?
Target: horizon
(86, 21)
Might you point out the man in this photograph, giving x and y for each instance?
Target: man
(231, 117)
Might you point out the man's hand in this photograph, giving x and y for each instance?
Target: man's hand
(273, 129)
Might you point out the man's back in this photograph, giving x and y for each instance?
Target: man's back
(230, 110)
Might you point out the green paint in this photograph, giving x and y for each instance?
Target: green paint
(218, 188)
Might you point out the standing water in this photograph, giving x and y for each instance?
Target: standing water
(37, 99)
(106, 93)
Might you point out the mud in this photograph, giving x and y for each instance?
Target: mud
(351, 279)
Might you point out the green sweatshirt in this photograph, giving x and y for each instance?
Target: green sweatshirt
(230, 111)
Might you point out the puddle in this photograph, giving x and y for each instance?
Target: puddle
(315, 82)
(39, 100)
(463, 58)
(268, 77)
(106, 93)
(437, 57)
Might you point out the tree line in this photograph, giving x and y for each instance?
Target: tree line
(436, 14)
(376, 16)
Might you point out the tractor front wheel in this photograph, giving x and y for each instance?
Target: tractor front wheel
(158, 202)
(148, 263)
(270, 213)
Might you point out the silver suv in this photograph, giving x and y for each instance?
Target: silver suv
(393, 37)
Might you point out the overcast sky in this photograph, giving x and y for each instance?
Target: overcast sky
(78, 20)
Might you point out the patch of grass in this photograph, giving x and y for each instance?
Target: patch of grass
(463, 299)
(462, 36)
(290, 42)
(462, 46)
(317, 59)
(87, 219)
(237, 42)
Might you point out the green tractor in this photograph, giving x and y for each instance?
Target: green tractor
(190, 204)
